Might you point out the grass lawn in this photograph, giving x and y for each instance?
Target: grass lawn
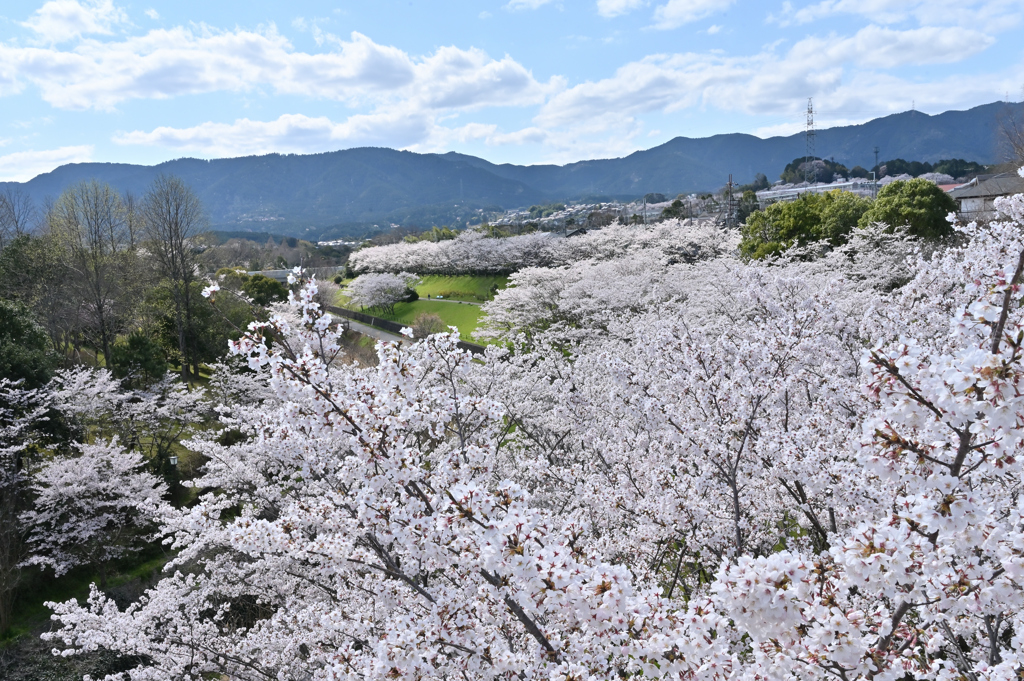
(463, 287)
(465, 317)
(31, 615)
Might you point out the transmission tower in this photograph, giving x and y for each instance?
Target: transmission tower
(809, 173)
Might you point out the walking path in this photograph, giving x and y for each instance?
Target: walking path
(371, 331)
(445, 300)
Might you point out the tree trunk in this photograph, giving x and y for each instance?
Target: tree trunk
(180, 323)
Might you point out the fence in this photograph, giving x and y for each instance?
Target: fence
(393, 327)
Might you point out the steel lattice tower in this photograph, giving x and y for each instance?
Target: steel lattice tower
(809, 174)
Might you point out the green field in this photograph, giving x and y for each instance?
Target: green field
(465, 317)
(463, 287)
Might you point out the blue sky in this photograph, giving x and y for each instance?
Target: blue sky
(520, 81)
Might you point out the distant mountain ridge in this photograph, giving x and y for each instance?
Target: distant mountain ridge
(343, 192)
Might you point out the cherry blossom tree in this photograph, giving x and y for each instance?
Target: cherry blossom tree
(20, 411)
(151, 421)
(380, 291)
(90, 508)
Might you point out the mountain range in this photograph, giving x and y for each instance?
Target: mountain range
(347, 192)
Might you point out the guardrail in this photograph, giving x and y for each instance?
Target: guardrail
(393, 327)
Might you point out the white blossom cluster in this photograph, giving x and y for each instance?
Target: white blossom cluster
(474, 252)
(87, 505)
(808, 469)
(380, 290)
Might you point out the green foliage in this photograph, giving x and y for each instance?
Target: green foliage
(139, 357)
(24, 347)
(956, 167)
(233, 278)
(208, 331)
(675, 210)
(263, 290)
(918, 205)
(760, 182)
(823, 170)
(435, 234)
(812, 217)
(746, 205)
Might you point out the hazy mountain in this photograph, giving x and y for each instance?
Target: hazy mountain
(345, 192)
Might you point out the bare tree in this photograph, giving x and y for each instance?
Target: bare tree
(89, 226)
(1011, 132)
(173, 218)
(17, 214)
(132, 217)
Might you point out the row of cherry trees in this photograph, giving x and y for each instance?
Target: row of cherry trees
(475, 252)
(799, 469)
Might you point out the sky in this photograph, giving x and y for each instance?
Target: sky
(512, 81)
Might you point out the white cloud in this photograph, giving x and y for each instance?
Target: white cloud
(837, 72)
(24, 165)
(614, 8)
(879, 47)
(484, 15)
(290, 133)
(530, 135)
(987, 15)
(152, 14)
(713, 29)
(61, 20)
(180, 61)
(299, 24)
(525, 4)
(675, 13)
(297, 133)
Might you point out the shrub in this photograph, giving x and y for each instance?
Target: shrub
(263, 290)
(917, 204)
(24, 347)
(812, 217)
(138, 358)
(427, 324)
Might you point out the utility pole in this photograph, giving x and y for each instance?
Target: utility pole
(808, 167)
(728, 204)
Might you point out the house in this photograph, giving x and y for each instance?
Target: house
(976, 199)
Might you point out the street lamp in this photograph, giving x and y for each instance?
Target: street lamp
(173, 459)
